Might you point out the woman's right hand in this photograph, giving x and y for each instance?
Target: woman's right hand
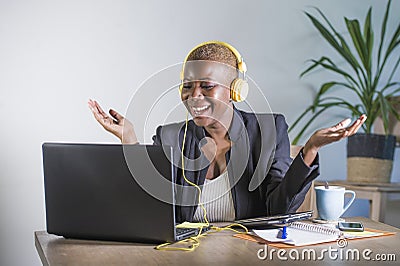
(116, 124)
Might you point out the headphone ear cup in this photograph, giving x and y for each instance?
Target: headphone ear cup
(239, 90)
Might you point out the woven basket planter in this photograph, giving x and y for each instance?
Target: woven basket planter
(370, 158)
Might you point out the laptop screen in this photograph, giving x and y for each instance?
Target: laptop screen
(92, 193)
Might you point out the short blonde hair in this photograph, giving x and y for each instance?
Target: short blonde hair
(214, 52)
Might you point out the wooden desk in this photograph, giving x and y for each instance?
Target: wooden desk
(219, 248)
(376, 194)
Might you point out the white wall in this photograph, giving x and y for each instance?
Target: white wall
(54, 55)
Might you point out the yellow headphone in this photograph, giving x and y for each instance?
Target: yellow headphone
(239, 86)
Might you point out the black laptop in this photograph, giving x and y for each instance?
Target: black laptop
(91, 192)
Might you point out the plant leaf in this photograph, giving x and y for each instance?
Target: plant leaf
(383, 31)
(342, 48)
(333, 42)
(353, 27)
(324, 32)
(394, 41)
(369, 42)
(394, 69)
(393, 93)
(392, 109)
(324, 105)
(393, 45)
(315, 64)
(323, 89)
(339, 102)
(338, 71)
(308, 109)
(384, 111)
(300, 134)
(347, 54)
(328, 85)
(389, 85)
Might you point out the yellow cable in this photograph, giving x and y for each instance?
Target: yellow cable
(195, 239)
(229, 227)
(192, 247)
(184, 176)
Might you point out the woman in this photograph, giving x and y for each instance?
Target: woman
(248, 170)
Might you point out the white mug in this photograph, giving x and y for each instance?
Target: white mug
(330, 202)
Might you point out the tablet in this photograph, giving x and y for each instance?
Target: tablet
(268, 221)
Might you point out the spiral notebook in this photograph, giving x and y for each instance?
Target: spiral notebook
(301, 234)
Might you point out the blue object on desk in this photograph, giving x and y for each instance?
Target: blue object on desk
(282, 233)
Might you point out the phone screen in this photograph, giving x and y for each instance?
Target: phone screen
(350, 226)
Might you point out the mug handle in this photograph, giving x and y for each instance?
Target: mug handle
(350, 201)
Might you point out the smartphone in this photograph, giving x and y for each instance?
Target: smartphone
(351, 226)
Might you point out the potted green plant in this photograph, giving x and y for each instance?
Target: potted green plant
(366, 73)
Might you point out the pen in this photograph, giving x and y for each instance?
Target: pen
(282, 233)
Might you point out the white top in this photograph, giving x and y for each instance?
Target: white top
(217, 199)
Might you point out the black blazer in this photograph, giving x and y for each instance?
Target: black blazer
(263, 177)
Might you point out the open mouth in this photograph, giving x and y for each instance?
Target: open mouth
(199, 110)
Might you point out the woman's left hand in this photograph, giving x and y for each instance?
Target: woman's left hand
(329, 135)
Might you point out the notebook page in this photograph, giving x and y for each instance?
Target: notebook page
(296, 237)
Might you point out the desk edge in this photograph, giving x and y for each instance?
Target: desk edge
(39, 249)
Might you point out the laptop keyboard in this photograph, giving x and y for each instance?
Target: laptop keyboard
(183, 231)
